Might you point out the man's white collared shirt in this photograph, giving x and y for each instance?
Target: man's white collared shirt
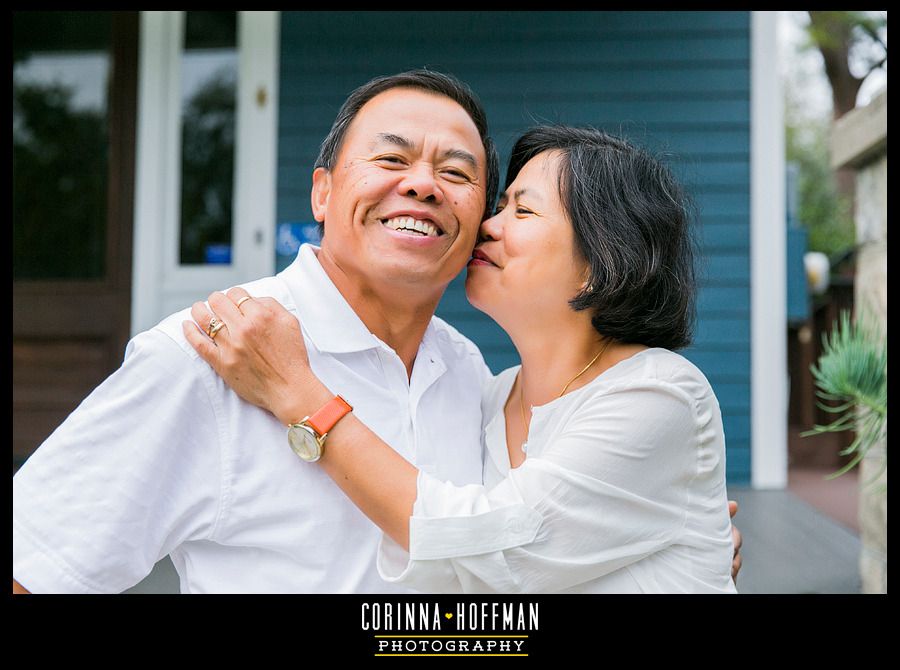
(164, 459)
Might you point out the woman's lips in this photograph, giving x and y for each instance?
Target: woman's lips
(481, 258)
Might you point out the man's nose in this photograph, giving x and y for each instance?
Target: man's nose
(419, 182)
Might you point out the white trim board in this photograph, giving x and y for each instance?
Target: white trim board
(160, 285)
(768, 273)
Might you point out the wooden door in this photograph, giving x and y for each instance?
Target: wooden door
(74, 108)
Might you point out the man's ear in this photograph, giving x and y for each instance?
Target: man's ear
(321, 191)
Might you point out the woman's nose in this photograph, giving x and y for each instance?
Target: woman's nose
(492, 228)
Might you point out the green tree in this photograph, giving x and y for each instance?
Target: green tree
(826, 214)
(852, 46)
(848, 41)
(207, 168)
(60, 165)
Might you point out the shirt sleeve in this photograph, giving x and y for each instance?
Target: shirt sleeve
(132, 472)
(610, 489)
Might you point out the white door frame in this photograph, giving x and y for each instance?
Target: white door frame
(160, 284)
(768, 264)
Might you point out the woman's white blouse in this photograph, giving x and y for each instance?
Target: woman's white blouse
(622, 490)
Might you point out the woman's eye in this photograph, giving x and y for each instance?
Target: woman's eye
(521, 211)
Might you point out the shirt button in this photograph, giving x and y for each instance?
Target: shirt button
(516, 526)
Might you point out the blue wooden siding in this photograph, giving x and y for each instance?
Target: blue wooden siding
(676, 82)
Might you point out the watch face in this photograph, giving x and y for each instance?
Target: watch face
(304, 443)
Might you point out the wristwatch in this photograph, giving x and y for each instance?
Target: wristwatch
(307, 437)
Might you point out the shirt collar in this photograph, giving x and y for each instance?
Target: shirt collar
(326, 317)
(329, 320)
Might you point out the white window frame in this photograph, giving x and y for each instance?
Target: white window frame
(161, 285)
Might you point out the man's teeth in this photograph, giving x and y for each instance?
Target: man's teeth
(408, 224)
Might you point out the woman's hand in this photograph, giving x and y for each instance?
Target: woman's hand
(737, 539)
(259, 352)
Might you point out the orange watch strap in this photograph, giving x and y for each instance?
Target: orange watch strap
(332, 412)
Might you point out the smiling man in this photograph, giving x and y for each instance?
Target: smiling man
(401, 210)
(164, 459)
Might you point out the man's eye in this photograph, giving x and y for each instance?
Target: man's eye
(390, 159)
(523, 210)
(458, 174)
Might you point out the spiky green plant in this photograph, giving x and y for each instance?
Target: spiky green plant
(852, 371)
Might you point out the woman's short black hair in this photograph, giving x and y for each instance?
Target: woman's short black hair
(425, 80)
(632, 226)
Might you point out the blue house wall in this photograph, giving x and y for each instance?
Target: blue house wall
(675, 82)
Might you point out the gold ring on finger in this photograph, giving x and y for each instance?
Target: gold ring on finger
(243, 300)
(214, 327)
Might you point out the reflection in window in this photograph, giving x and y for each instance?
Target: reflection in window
(61, 68)
(209, 69)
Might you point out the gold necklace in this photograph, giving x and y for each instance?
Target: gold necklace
(522, 390)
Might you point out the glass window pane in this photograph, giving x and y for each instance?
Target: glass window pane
(209, 70)
(61, 69)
